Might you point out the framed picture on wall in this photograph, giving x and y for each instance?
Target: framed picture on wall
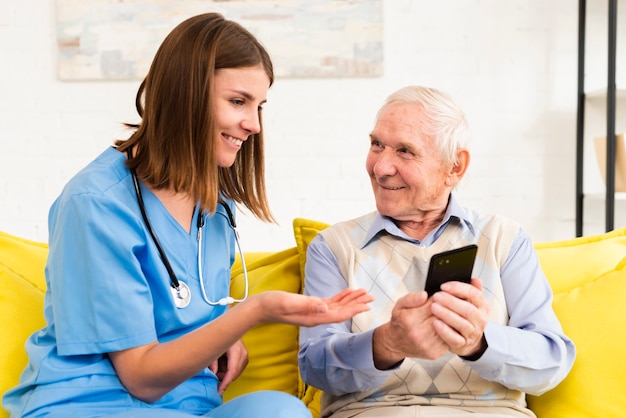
(116, 40)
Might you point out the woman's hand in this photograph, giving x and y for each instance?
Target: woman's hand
(296, 309)
(230, 365)
(147, 373)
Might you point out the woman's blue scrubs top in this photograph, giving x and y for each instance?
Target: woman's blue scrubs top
(108, 290)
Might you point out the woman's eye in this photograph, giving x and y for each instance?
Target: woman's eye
(237, 102)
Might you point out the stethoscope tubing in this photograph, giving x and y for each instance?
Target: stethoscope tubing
(166, 262)
(174, 282)
(228, 299)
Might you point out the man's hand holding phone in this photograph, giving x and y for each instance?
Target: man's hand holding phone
(462, 311)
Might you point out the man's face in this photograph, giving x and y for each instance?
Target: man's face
(408, 175)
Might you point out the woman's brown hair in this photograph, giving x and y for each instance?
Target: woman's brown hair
(176, 136)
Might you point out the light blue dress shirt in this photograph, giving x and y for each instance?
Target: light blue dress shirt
(530, 354)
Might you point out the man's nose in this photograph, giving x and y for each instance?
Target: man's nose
(384, 165)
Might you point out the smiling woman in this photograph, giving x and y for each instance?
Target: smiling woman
(239, 95)
(135, 217)
(191, 97)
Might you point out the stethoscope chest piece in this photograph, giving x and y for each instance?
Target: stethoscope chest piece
(182, 295)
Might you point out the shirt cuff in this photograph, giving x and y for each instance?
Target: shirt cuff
(360, 355)
(489, 364)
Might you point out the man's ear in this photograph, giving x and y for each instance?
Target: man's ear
(462, 163)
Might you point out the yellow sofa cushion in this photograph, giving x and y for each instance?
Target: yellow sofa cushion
(304, 230)
(272, 348)
(22, 288)
(571, 263)
(24, 258)
(588, 278)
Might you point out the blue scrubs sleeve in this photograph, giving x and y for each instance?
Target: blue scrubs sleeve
(100, 297)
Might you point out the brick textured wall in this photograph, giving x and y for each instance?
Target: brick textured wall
(510, 64)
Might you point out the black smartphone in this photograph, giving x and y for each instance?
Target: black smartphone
(456, 264)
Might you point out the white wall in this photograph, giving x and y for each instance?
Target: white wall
(511, 64)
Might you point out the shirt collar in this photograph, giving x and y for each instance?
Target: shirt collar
(384, 223)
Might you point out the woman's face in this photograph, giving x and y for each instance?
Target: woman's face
(239, 94)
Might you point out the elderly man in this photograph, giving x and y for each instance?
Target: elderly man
(472, 348)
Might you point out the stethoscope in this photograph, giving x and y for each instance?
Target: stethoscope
(180, 290)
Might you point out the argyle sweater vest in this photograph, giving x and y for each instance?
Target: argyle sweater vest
(389, 267)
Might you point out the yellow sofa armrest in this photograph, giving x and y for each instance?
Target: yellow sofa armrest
(22, 287)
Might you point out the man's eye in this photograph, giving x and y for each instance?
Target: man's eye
(376, 144)
(405, 153)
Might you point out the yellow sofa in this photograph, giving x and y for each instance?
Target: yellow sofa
(587, 274)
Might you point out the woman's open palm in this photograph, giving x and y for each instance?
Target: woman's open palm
(296, 309)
